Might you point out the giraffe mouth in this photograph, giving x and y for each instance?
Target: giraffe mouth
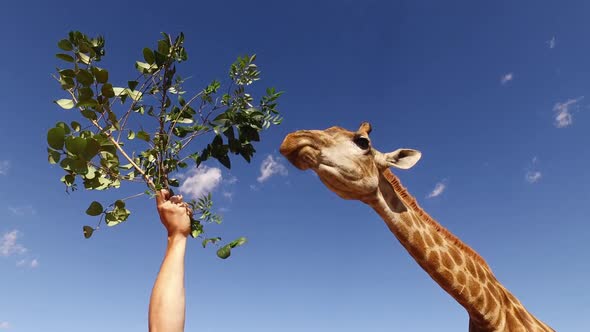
(299, 150)
(304, 157)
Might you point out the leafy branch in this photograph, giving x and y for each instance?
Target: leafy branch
(157, 99)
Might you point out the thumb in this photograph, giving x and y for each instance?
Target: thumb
(162, 196)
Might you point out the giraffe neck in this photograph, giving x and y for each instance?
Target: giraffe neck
(457, 268)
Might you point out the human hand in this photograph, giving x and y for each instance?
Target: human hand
(174, 213)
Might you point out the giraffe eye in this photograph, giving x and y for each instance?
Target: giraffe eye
(362, 142)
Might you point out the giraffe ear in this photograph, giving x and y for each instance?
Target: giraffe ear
(403, 158)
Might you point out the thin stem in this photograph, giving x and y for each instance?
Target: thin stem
(132, 196)
(142, 89)
(173, 125)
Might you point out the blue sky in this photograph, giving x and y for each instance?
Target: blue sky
(495, 95)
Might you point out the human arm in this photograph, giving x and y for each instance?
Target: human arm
(167, 303)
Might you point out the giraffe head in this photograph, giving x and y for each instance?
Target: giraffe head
(345, 161)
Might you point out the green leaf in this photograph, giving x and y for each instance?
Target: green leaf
(79, 166)
(65, 57)
(131, 134)
(164, 46)
(134, 94)
(84, 58)
(117, 216)
(75, 145)
(92, 148)
(144, 68)
(119, 91)
(224, 252)
(87, 103)
(65, 45)
(224, 160)
(160, 58)
(143, 135)
(238, 242)
(87, 231)
(89, 114)
(107, 90)
(132, 84)
(53, 156)
(119, 204)
(210, 240)
(94, 209)
(101, 75)
(85, 93)
(84, 77)
(66, 104)
(196, 232)
(148, 56)
(67, 73)
(75, 125)
(63, 125)
(56, 138)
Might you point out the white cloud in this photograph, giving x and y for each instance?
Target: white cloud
(439, 188)
(28, 263)
(228, 195)
(552, 42)
(22, 210)
(271, 166)
(533, 175)
(4, 325)
(563, 116)
(231, 180)
(4, 167)
(201, 181)
(9, 246)
(507, 78)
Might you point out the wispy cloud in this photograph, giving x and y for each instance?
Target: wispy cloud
(28, 263)
(22, 210)
(231, 180)
(552, 42)
(4, 167)
(506, 78)
(9, 245)
(227, 194)
(563, 112)
(439, 188)
(201, 181)
(4, 325)
(271, 166)
(533, 174)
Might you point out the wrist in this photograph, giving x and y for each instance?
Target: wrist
(176, 237)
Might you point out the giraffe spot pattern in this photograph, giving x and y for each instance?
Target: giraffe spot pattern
(461, 278)
(456, 256)
(446, 260)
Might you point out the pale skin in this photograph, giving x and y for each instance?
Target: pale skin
(167, 303)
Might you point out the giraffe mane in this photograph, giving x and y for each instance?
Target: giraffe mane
(411, 203)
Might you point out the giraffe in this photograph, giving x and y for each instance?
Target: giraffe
(348, 165)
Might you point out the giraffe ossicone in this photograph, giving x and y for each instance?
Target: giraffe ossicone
(348, 164)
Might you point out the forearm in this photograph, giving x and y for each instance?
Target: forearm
(167, 304)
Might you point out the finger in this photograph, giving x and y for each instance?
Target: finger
(189, 210)
(162, 196)
(176, 199)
